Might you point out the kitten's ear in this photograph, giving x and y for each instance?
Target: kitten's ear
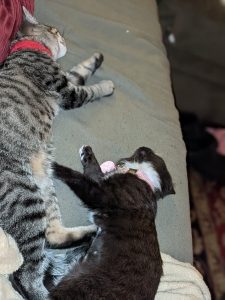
(167, 190)
(168, 187)
(28, 17)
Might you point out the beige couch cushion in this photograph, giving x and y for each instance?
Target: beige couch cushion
(141, 112)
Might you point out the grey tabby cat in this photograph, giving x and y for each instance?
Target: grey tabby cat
(32, 90)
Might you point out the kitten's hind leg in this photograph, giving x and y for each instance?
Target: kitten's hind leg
(79, 74)
(90, 164)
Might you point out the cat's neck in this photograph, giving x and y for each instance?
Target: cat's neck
(31, 45)
(35, 65)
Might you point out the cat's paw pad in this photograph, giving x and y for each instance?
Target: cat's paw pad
(98, 59)
(86, 154)
(107, 87)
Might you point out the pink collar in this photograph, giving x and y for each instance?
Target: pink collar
(31, 45)
(109, 166)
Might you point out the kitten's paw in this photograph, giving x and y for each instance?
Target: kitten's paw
(98, 59)
(107, 87)
(86, 154)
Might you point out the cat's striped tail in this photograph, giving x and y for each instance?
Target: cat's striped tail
(57, 265)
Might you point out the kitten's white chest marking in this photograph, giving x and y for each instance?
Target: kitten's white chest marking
(148, 169)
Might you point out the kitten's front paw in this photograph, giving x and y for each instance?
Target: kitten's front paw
(107, 87)
(86, 154)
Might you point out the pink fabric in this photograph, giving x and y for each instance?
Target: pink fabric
(109, 166)
(219, 134)
(10, 20)
(26, 44)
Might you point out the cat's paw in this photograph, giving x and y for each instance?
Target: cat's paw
(63, 235)
(107, 87)
(98, 59)
(86, 154)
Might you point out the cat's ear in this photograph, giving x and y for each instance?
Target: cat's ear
(167, 185)
(19, 35)
(27, 17)
(28, 24)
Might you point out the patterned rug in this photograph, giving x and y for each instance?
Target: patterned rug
(208, 231)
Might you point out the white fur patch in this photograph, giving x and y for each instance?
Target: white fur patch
(31, 19)
(91, 217)
(85, 68)
(149, 170)
(107, 87)
(58, 49)
(62, 50)
(172, 38)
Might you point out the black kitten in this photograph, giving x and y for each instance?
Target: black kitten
(124, 260)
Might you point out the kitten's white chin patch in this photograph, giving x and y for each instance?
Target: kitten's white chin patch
(148, 169)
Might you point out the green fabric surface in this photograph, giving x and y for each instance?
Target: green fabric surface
(140, 113)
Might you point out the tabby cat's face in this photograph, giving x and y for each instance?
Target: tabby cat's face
(47, 35)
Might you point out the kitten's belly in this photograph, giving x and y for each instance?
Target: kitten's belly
(94, 253)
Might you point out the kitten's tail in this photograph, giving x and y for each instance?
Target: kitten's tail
(57, 265)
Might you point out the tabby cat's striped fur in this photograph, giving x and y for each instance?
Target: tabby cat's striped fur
(32, 90)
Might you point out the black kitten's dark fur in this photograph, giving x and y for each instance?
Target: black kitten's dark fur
(124, 260)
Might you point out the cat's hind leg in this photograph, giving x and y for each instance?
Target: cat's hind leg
(56, 233)
(26, 222)
(79, 74)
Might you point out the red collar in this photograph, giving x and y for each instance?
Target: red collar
(31, 45)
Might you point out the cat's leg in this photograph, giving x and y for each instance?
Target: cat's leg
(73, 96)
(56, 233)
(92, 169)
(79, 74)
(76, 96)
(29, 279)
(88, 190)
(90, 164)
(26, 222)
